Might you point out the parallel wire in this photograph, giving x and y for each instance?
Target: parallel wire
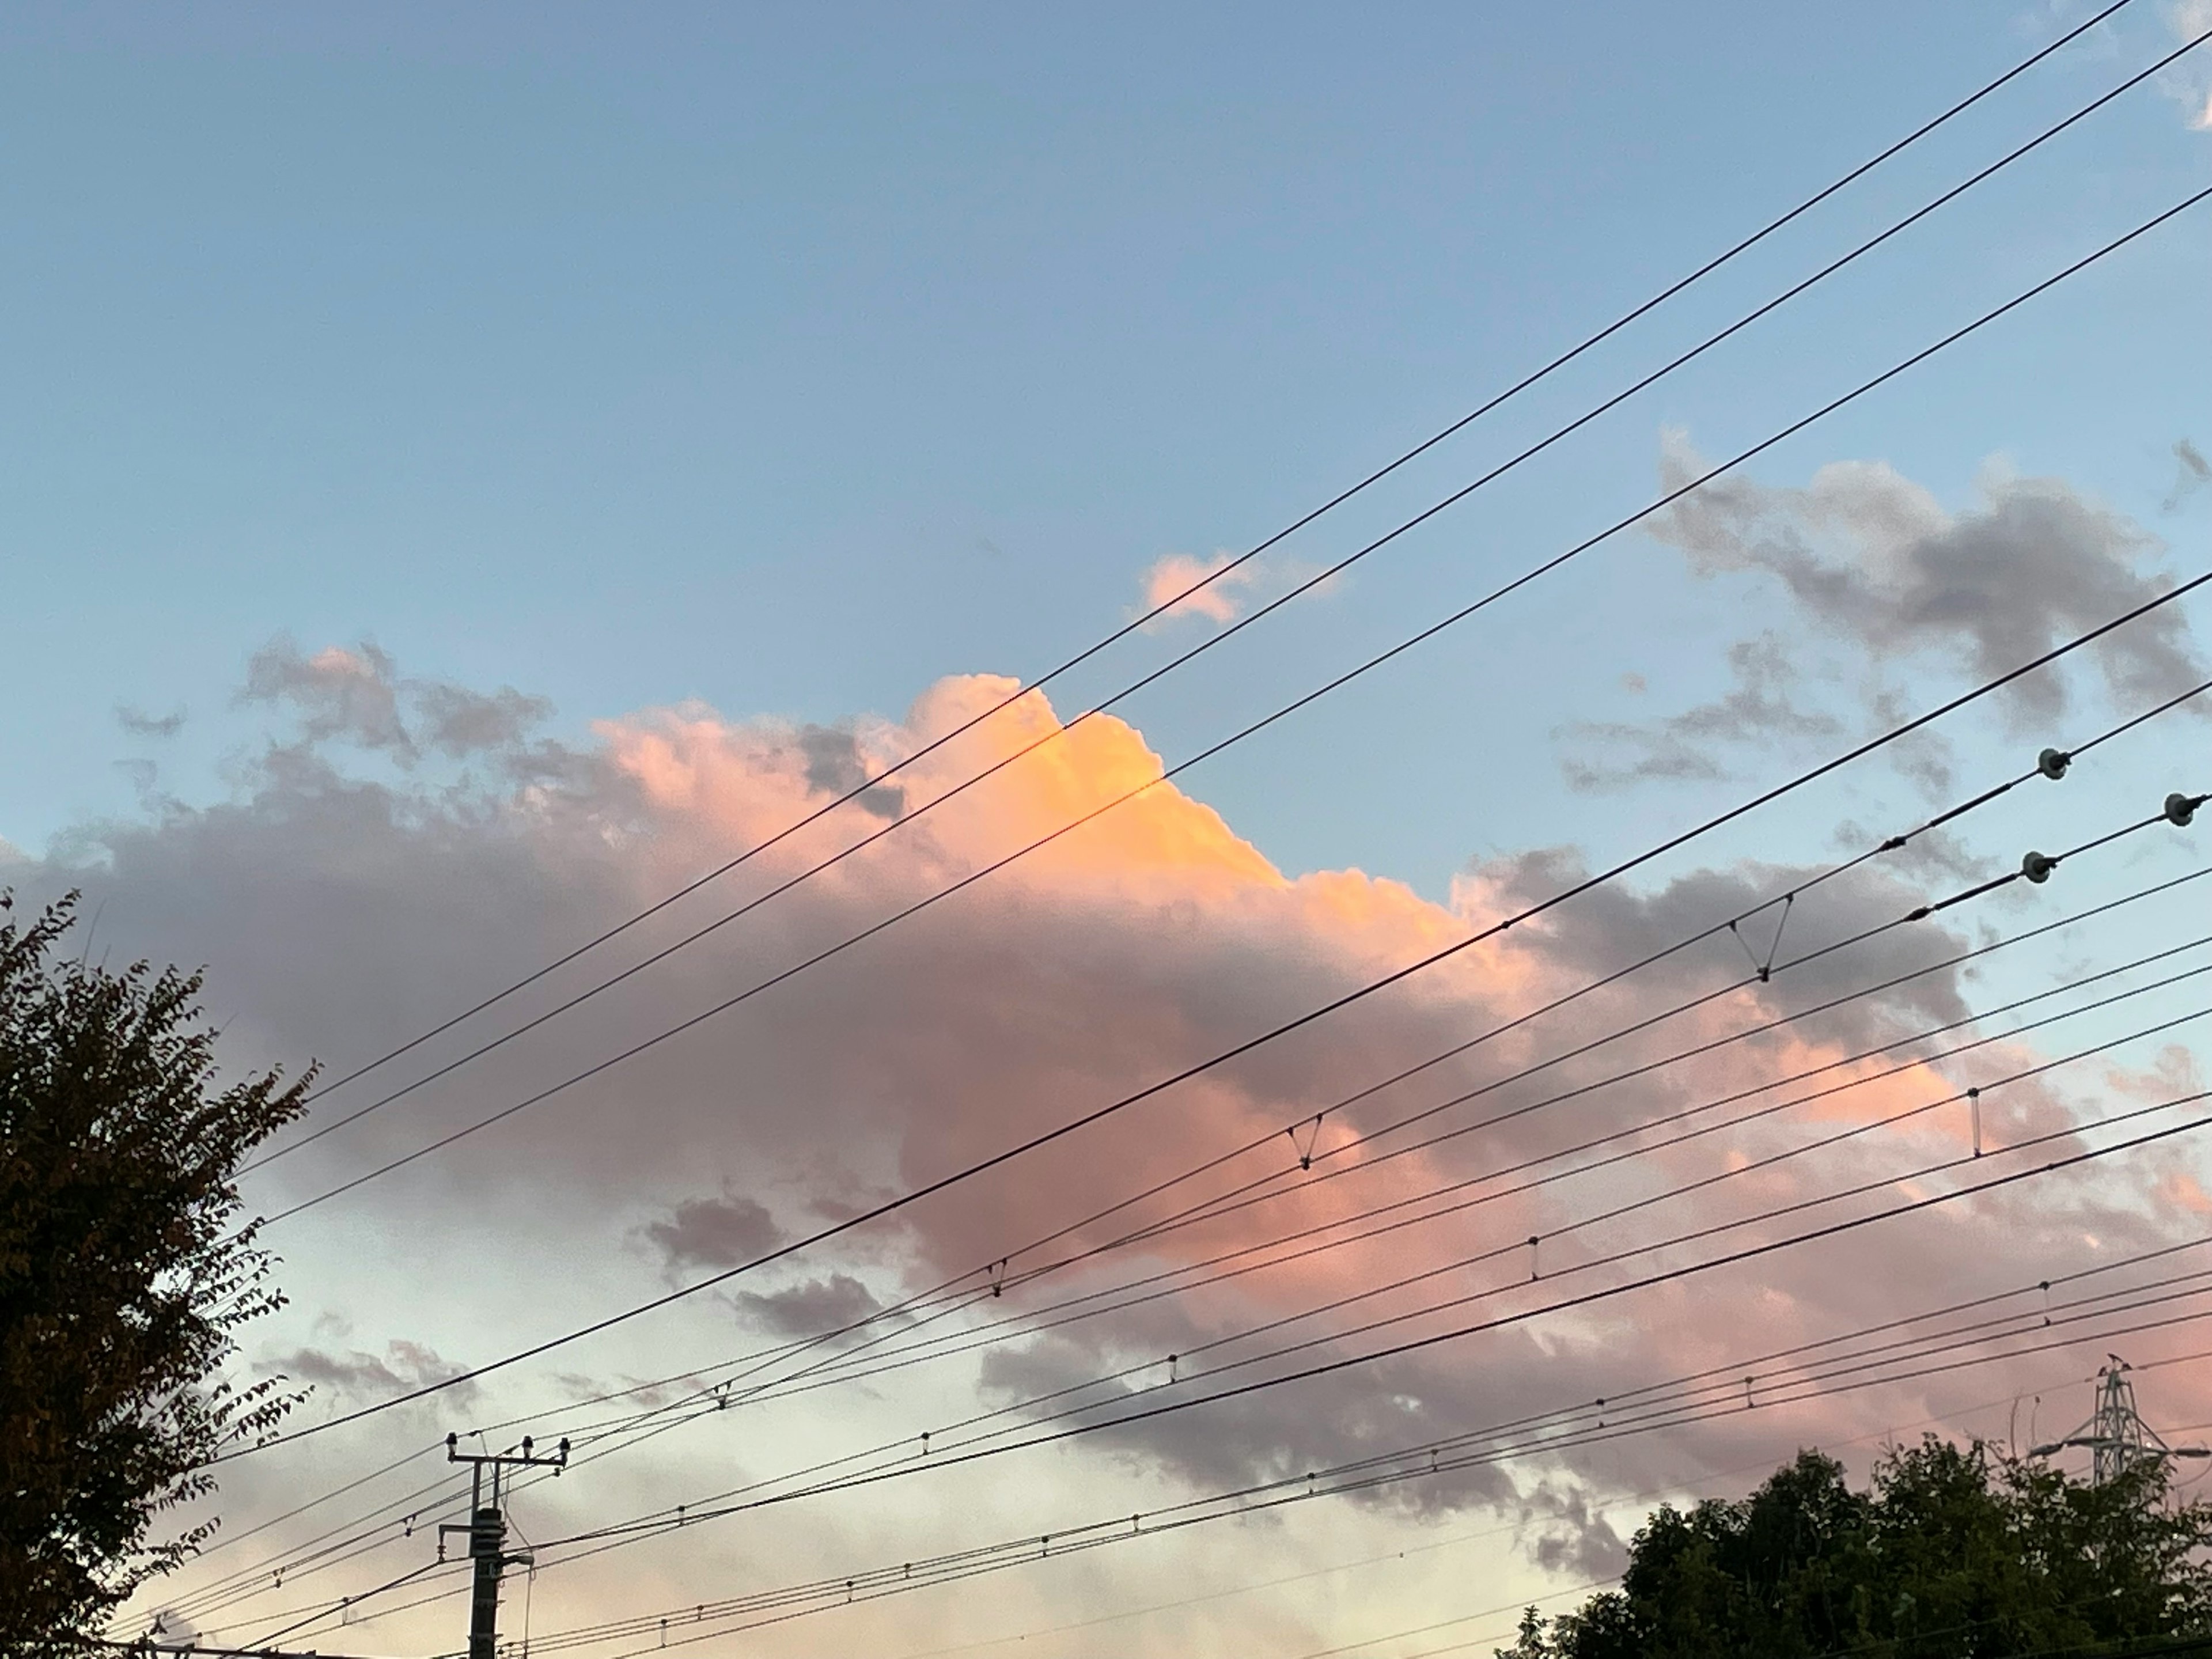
(786, 1386)
(1331, 571)
(1021, 1148)
(1156, 612)
(1721, 1382)
(908, 1462)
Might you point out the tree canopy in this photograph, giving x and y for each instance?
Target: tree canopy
(123, 1277)
(1952, 1551)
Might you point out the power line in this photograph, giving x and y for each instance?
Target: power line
(1097, 1114)
(1305, 586)
(1710, 1394)
(701, 1515)
(940, 1454)
(1752, 1252)
(837, 1366)
(2058, 760)
(1158, 610)
(1029, 1327)
(838, 1369)
(1559, 1428)
(1633, 1130)
(1344, 678)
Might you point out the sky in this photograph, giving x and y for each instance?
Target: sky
(467, 474)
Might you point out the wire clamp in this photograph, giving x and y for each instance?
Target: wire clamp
(2053, 763)
(2180, 809)
(2037, 867)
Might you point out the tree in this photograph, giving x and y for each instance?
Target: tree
(1954, 1551)
(123, 1277)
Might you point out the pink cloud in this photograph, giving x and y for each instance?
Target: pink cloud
(338, 916)
(1175, 573)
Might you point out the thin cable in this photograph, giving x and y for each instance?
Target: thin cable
(1582, 1299)
(1097, 1114)
(1892, 843)
(1719, 1384)
(1302, 587)
(1160, 609)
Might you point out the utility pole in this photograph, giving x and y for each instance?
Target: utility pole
(487, 1532)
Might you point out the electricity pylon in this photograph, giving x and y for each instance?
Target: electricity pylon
(2116, 1436)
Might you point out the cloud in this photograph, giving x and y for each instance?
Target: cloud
(820, 1304)
(461, 722)
(835, 766)
(335, 693)
(713, 1232)
(341, 913)
(1870, 560)
(2188, 82)
(2193, 473)
(1174, 573)
(356, 1375)
(139, 724)
(1758, 709)
(356, 695)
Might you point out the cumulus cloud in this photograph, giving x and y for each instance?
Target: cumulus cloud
(1224, 598)
(828, 1303)
(356, 696)
(339, 914)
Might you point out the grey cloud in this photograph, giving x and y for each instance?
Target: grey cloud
(356, 1375)
(808, 1309)
(713, 1232)
(1759, 708)
(340, 916)
(139, 724)
(460, 722)
(356, 694)
(1559, 1532)
(2194, 473)
(337, 693)
(1874, 559)
(835, 766)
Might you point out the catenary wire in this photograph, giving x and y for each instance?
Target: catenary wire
(1986, 1014)
(1305, 586)
(1613, 872)
(1722, 1382)
(1155, 612)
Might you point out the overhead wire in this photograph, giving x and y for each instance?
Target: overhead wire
(1633, 1130)
(1564, 1426)
(698, 1517)
(1006, 1281)
(903, 1453)
(1029, 1322)
(1822, 770)
(1170, 773)
(1699, 1391)
(856, 792)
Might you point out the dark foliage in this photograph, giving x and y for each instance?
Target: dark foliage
(1953, 1554)
(122, 1280)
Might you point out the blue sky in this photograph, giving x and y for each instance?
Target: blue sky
(792, 359)
(789, 358)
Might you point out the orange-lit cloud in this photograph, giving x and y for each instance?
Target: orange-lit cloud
(339, 916)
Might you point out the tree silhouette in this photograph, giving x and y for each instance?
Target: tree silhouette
(123, 1277)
